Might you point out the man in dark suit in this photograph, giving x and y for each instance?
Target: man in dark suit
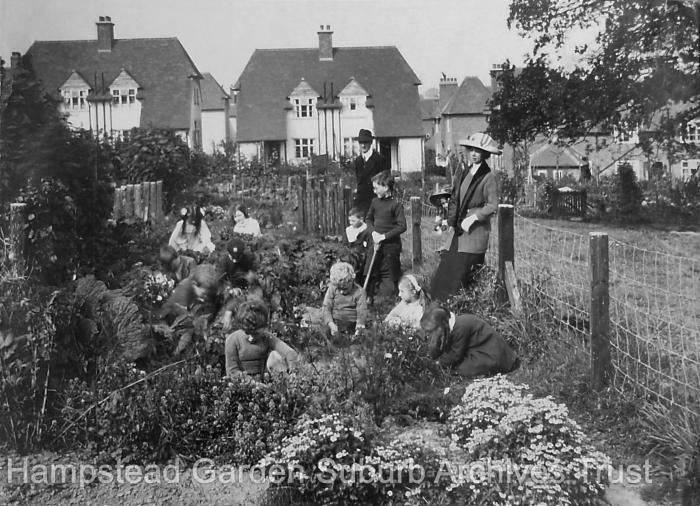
(367, 165)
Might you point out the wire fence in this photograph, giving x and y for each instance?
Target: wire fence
(654, 303)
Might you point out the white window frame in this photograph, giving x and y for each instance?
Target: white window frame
(692, 132)
(123, 97)
(350, 147)
(304, 148)
(75, 99)
(304, 107)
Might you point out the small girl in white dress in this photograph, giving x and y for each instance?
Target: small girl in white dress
(409, 311)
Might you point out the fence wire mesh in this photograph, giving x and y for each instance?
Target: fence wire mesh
(654, 303)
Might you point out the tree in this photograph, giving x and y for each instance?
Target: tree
(645, 61)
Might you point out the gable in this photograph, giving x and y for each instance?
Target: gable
(75, 81)
(213, 95)
(353, 89)
(161, 67)
(389, 82)
(303, 90)
(124, 81)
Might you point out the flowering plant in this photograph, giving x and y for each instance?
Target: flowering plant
(537, 452)
(330, 461)
(156, 289)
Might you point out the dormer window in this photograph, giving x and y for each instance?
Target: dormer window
(124, 97)
(692, 131)
(304, 107)
(75, 100)
(353, 97)
(303, 99)
(123, 90)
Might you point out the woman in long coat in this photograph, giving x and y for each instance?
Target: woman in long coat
(474, 199)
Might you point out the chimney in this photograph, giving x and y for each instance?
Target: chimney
(105, 34)
(15, 59)
(448, 87)
(496, 70)
(325, 44)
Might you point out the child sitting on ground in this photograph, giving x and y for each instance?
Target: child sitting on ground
(252, 350)
(387, 221)
(359, 238)
(409, 310)
(345, 303)
(175, 265)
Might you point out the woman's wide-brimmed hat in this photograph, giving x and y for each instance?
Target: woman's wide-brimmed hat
(481, 141)
(365, 136)
(444, 192)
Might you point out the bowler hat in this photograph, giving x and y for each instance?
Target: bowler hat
(365, 136)
(442, 193)
(481, 141)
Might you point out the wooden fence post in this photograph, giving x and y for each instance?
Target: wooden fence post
(160, 214)
(506, 247)
(601, 365)
(117, 209)
(153, 212)
(129, 201)
(416, 219)
(323, 207)
(301, 208)
(138, 201)
(18, 220)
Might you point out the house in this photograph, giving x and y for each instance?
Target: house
(430, 121)
(294, 103)
(557, 162)
(216, 127)
(110, 85)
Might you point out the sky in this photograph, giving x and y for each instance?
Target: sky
(458, 37)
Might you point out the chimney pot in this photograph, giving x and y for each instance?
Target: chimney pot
(109, 19)
(102, 18)
(15, 59)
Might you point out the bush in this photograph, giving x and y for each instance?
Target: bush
(184, 410)
(627, 195)
(501, 425)
(330, 461)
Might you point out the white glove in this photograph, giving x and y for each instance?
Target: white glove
(377, 237)
(468, 222)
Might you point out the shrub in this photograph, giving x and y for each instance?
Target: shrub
(506, 429)
(328, 460)
(626, 195)
(184, 410)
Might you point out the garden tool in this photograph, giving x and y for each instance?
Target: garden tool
(371, 264)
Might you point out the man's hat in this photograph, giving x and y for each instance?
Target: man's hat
(445, 191)
(481, 141)
(365, 136)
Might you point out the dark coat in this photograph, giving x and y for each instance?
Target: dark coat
(482, 200)
(364, 172)
(475, 348)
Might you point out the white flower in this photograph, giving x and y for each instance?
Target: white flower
(446, 391)
(388, 355)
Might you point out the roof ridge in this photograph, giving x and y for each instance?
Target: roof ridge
(316, 49)
(95, 40)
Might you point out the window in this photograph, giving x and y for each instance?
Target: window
(692, 131)
(350, 147)
(125, 97)
(304, 107)
(304, 147)
(353, 104)
(74, 100)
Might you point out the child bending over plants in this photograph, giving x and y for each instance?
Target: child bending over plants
(252, 350)
(466, 344)
(175, 265)
(345, 303)
(409, 311)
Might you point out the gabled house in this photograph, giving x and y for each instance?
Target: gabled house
(110, 85)
(294, 103)
(557, 162)
(216, 128)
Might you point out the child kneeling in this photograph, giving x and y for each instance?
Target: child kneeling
(409, 311)
(252, 350)
(345, 304)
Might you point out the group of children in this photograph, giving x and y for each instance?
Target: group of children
(371, 274)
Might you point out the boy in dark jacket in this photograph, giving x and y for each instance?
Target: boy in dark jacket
(387, 221)
(359, 238)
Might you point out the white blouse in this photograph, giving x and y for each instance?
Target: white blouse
(248, 226)
(190, 240)
(406, 314)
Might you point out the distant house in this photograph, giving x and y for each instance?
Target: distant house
(294, 103)
(216, 127)
(430, 121)
(556, 162)
(110, 85)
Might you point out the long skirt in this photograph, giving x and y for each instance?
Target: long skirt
(455, 271)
